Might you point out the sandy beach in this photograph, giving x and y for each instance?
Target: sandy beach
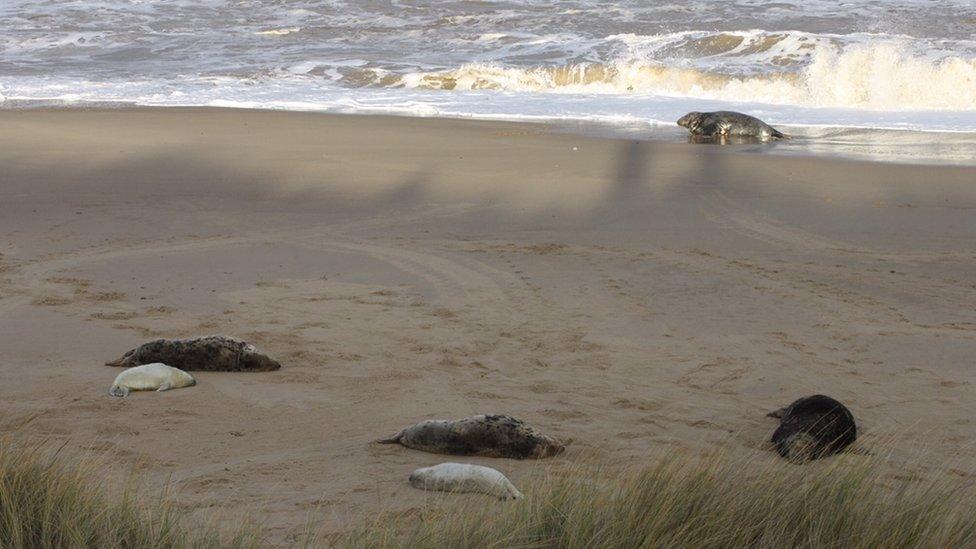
(635, 297)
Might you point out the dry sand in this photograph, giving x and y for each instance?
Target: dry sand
(635, 297)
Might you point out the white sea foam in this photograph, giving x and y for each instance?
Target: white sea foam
(279, 32)
(877, 76)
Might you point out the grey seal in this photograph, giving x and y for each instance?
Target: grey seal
(465, 477)
(483, 435)
(813, 427)
(722, 124)
(209, 354)
(150, 377)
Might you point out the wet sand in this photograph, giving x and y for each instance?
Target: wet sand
(636, 297)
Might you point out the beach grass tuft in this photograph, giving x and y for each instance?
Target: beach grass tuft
(48, 501)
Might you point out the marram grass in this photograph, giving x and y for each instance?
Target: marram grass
(842, 502)
(47, 501)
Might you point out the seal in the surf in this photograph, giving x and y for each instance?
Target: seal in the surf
(813, 427)
(724, 124)
(211, 353)
(464, 477)
(483, 435)
(150, 377)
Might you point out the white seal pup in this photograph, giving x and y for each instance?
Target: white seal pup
(464, 477)
(723, 124)
(149, 377)
(489, 435)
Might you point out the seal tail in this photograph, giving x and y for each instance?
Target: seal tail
(395, 439)
(121, 361)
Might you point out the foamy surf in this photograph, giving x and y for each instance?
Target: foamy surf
(873, 76)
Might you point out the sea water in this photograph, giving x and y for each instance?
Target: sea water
(880, 78)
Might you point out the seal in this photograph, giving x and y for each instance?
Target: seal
(209, 354)
(723, 124)
(464, 477)
(483, 435)
(813, 427)
(149, 377)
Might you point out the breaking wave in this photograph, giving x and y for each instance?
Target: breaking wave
(873, 76)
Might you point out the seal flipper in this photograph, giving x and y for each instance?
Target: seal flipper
(778, 134)
(395, 439)
(165, 387)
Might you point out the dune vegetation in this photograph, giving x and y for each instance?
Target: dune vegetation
(844, 501)
(47, 501)
(717, 502)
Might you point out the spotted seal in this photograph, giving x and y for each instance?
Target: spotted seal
(722, 124)
(483, 435)
(150, 377)
(465, 477)
(813, 427)
(212, 353)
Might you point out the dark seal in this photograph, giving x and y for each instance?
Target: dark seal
(206, 354)
(813, 427)
(484, 435)
(724, 124)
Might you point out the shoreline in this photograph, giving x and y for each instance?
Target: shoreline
(922, 147)
(639, 297)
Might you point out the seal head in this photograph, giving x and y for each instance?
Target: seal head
(691, 121)
(254, 361)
